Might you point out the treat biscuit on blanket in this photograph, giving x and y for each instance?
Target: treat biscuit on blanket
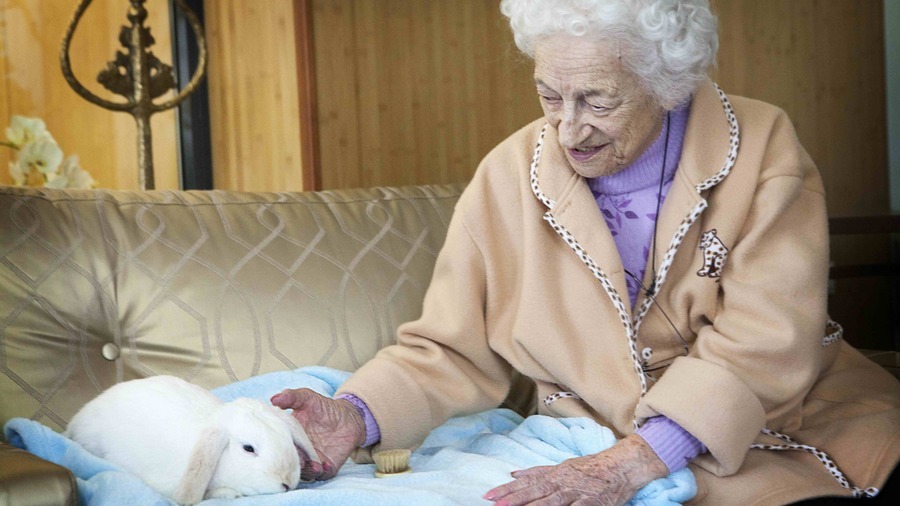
(189, 445)
(391, 462)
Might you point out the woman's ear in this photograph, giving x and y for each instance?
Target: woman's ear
(201, 466)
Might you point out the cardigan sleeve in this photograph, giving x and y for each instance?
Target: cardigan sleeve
(442, 365)
(753, 363)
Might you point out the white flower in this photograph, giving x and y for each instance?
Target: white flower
(71, 175)
(41, 155)
(22, 131)
(56, 181)
(17, 173)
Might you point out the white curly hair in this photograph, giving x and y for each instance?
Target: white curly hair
(669, 44)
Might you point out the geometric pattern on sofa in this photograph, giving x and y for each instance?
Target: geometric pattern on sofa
(99, 287)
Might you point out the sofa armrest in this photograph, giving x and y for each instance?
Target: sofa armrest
(27, 480)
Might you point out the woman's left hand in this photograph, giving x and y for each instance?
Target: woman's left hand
(609, 477)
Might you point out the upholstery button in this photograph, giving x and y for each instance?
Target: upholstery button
(110, 351)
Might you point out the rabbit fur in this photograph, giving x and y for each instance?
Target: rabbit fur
(189, 445)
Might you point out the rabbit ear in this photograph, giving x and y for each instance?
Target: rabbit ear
(201, 466)
(301, 440)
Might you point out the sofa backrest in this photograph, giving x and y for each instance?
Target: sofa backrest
(98, 287)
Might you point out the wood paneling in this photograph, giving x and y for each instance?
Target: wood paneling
(306, 90)
(822, 61)
(413, 92)
(253, 95)
(33, 85)
(5, 153)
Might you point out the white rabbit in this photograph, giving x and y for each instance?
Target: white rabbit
(188, 444)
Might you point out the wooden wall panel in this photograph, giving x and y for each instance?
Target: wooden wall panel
(5, 153)
(822, 61)
(254, 109)
(33, 85)
(413, 92)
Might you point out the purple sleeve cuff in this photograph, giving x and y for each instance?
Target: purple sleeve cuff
(674, 445)
(373, 433)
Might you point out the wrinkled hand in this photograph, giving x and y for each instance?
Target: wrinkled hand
(609, 477)
(334, 427)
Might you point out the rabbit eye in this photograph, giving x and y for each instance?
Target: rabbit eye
(249, 449)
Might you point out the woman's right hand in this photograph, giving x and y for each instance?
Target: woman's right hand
(334, 426)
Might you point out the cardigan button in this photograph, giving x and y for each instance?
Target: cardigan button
(646, 353)
(110, 351)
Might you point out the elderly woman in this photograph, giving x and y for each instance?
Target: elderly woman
(653, 253)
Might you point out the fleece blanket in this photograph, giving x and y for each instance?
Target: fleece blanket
(457, 463)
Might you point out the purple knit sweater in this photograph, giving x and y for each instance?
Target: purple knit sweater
(628, 202)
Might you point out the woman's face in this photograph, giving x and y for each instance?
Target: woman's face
(604, 117)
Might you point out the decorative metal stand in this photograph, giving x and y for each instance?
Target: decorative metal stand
(139, 76)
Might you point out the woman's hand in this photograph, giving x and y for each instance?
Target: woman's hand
(334, 427)
(609, 477)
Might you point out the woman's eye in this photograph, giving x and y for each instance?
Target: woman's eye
(549, 100)
(249, 449)
(598, 108)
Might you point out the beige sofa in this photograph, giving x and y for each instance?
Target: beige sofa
(98, 287)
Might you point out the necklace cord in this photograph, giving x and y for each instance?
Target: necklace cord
(651, 291)
(662, 176)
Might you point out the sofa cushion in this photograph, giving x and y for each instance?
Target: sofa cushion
(28, 480)
(98, 287)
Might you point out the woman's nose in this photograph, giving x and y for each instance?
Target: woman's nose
(572, 130)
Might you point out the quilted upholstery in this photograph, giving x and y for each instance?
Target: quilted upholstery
(97, 287)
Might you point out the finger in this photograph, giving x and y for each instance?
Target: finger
(504, 490)
(543, 470)
(329, 470)
(284, 399)
(311, 471)
(292, 398)
(527, 495)
(558, 498)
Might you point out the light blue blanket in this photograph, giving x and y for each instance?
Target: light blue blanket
(457, 463)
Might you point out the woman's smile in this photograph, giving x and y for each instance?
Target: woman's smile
(583, 154)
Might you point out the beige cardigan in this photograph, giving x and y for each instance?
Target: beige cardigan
(529, 278)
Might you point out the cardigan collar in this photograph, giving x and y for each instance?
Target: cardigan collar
(706, 148)
(709, 152)
(574, 216)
